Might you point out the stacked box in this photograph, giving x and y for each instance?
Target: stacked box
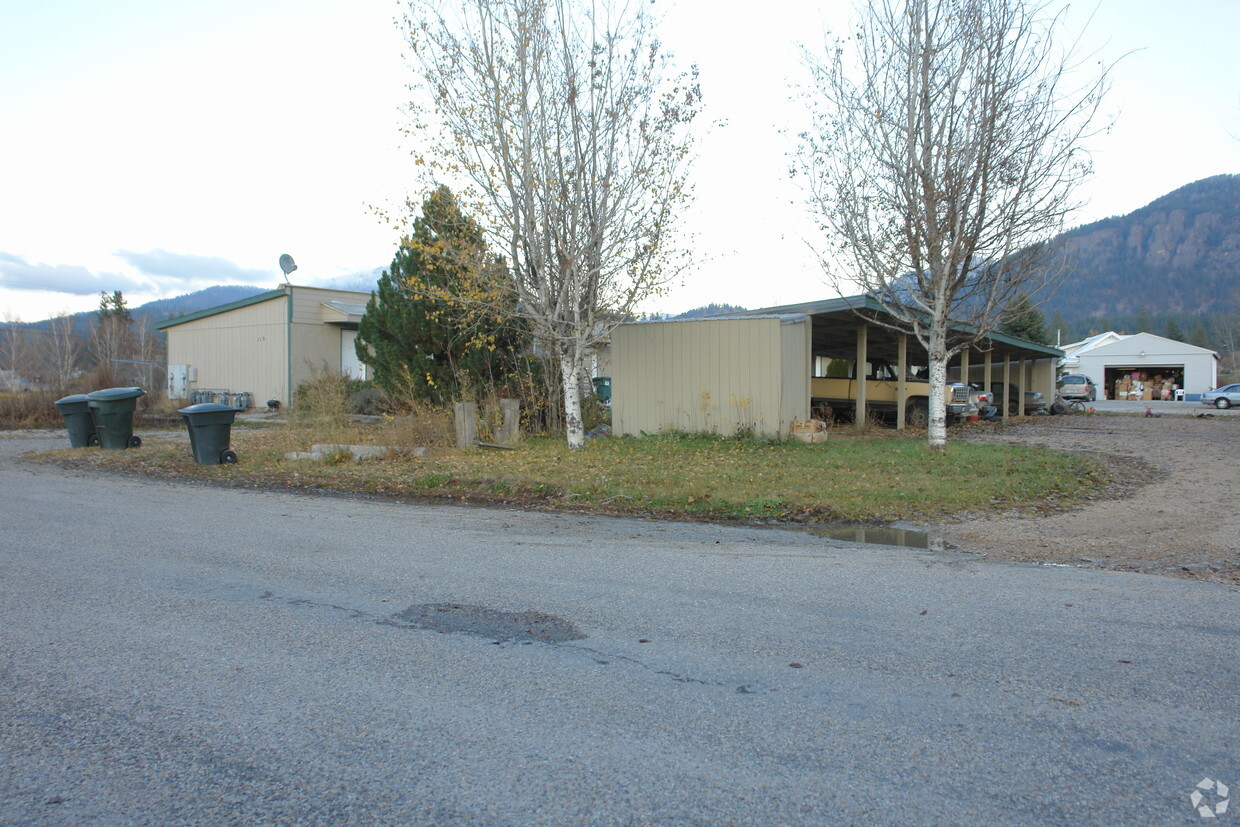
(809, 430)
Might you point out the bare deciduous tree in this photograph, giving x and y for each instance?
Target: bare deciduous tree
(14, 350)
(112, 340)
(62, 350)
(557, 123)
(945, 158)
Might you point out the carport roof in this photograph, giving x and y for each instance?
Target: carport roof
(835, 324)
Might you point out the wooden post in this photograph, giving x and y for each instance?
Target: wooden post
(466, 416)
(510, 430)
(964, 365)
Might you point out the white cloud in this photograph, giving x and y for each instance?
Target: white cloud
(17, 273)
(164, 266)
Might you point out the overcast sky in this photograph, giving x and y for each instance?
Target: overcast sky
(162, 146)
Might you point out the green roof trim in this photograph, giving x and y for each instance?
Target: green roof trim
(866, 301)
(223, 308)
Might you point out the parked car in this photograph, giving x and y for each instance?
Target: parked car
(1077, 386)
(1035, 402)
(1224, 397)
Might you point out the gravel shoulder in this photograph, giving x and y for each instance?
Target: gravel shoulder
(1173, 511)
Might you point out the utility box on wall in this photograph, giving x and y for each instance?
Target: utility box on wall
(178, 381)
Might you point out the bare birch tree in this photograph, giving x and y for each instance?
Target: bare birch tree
(14, 350)
(944, 158)
(111, 340)
(561, 127)
(62, 350)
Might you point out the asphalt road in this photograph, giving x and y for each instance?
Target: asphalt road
(175, 654)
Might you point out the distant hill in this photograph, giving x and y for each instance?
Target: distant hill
(1180, 254)
(163, 309)
(712, 309)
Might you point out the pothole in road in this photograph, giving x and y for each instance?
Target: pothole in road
(456, 618)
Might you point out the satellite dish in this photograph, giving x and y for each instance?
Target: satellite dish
(287, 265)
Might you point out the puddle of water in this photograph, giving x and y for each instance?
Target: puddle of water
(882, 535)
(476, 620)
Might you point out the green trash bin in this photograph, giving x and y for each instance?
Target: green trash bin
(112, 410)
(602, 389)
(78, 421)
(210, 428)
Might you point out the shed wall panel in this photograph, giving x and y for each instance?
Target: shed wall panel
(712, 376)
(795, 370)
(241, 350)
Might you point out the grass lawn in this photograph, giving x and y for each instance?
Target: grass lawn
(856, 479)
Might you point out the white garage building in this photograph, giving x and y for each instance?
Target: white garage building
(1111, 358)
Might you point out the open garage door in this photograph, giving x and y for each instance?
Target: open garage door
(1147, 383)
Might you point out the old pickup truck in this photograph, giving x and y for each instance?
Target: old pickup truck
(837, 387)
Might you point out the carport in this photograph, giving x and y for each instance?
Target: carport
(754, 371)
(853, 328)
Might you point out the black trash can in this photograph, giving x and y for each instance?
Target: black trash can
(78, 421)
(210, 428)
(602, 389)
(112, 410)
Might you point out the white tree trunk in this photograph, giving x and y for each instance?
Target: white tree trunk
(574, 426)
(938, 383)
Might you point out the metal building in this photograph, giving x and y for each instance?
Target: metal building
(266, 345)
(754, 372)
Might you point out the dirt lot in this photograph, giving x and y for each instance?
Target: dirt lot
(1179, 515)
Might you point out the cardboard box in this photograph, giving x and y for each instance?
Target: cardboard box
(808, 426)
(812, 439)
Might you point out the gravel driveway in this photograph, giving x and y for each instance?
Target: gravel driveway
(1179, 517)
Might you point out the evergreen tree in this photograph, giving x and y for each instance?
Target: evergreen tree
(1173, 331)
(415, 335)
(1142, 324)
(1199, 336)
(1023, 320)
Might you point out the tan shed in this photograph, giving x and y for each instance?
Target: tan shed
(266, 345)
(757, 371)
(747, 375)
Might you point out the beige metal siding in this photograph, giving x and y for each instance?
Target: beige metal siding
(240, 350)
(794, 373)
(711, 376)
(315, 345)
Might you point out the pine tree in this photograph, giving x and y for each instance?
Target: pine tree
(1199, 336)
(415, 336)
(1023, 320)
(1173, 331)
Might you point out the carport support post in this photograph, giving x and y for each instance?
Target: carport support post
(986, 374)
(860, 374)
(902, 382)
(964, 365)
(1007, 384)
(1020, 387)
